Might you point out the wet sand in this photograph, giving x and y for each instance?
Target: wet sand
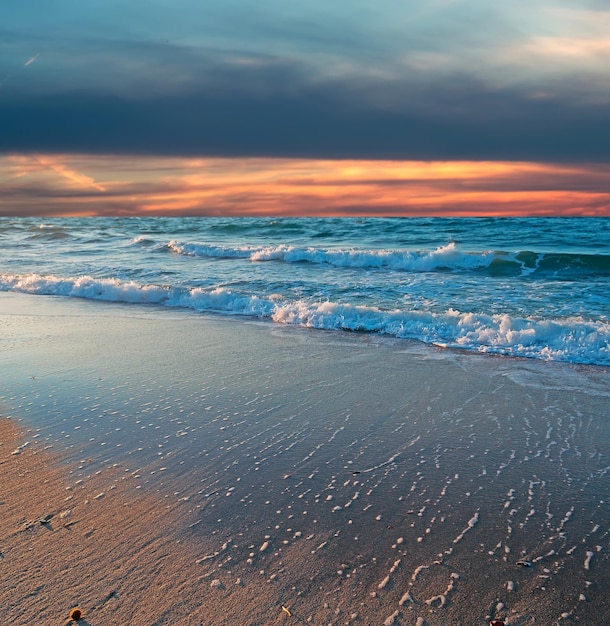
(166, 468)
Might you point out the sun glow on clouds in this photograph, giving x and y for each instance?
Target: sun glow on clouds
(98, 185)
(69, 174)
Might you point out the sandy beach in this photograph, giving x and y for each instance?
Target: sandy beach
(162, 467)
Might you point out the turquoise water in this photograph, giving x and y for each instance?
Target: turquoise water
(536, 288)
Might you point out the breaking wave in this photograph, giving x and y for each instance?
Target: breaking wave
(444, 258)
(571, 339)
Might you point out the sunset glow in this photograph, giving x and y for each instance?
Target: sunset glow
(66, 185)
(315, 108)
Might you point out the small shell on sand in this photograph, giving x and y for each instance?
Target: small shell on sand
(76, 614)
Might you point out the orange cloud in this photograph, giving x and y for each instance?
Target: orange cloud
(110, 185)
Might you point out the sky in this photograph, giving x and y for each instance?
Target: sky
(359, 107)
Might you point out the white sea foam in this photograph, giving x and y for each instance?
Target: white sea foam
(406, 598)
(590, 555)
(443, 257)
(108, 289)
(572, 339)
(389, 621)
(472, 522)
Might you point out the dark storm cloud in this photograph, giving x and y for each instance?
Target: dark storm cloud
(385, 80)
(280, 112)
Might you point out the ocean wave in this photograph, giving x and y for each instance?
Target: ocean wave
(572, 339)
(49, 232)
(443, 258)
(107, 289)
(143, 241)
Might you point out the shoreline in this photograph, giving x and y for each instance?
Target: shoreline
(351, 481)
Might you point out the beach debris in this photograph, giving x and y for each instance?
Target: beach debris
(76, 614)
(497, 622)
(217, 584)
(46, 519)
(70, 524)
(524, 563)
(286, 610)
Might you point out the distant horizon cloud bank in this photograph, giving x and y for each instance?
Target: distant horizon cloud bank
(64, 185)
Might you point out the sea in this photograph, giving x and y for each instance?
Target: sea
(534, 288)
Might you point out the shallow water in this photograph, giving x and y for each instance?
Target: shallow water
(359, 474)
